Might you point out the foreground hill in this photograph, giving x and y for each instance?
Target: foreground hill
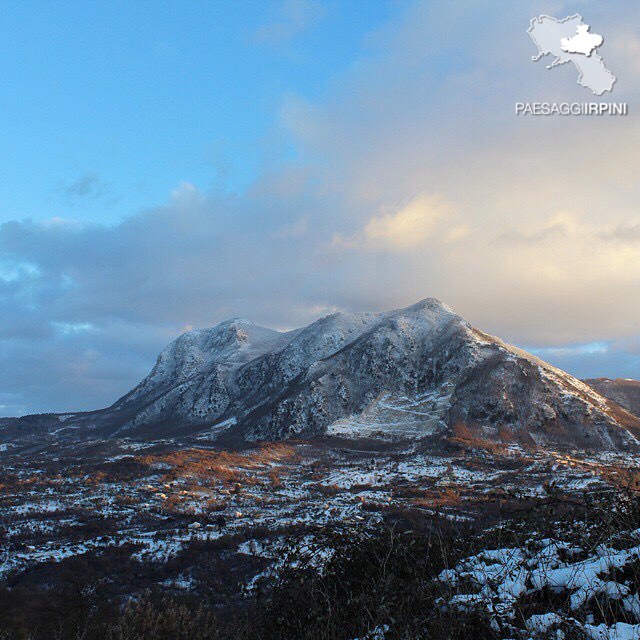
(409, 373)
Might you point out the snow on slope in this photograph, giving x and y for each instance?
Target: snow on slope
(409, 373)
(229, 344)
(190, 378)
(624, 391)
(497, 580)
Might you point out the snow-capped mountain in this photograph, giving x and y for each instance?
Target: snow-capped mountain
(411, 372)
(416, 372)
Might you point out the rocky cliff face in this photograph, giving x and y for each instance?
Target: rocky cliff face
(411, 372)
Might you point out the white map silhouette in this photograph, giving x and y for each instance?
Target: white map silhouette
(583, 42)
(569, 40)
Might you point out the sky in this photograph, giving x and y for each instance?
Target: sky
(169, 165)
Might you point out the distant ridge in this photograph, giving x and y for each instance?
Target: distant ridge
(624, 391)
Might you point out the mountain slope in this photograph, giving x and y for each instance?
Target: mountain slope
(623, 391)
(409, 373)
(448, 375)
(192, 379)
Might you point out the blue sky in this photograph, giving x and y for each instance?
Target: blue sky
(168, 165)
(107, 106)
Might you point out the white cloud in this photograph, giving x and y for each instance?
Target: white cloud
(410, 226)
(419, 222)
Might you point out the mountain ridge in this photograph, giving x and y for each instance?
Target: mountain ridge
(420, 371)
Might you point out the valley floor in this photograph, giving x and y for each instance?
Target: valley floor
(147, 518)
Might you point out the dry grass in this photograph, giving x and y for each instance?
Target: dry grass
(203, 467)
(441, 497)
(470, 437)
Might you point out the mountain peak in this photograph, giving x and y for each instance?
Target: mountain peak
(429, 304)
(421, 371)
(236, 322)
